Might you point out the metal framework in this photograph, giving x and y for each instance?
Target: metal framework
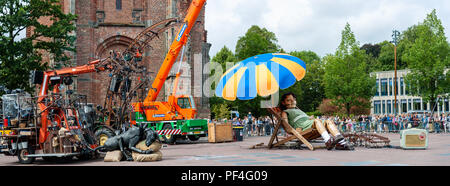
(368, 140)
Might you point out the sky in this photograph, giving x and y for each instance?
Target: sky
(316, 25)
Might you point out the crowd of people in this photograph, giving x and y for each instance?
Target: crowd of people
(438, 123)
(392, 123)
(254, 126)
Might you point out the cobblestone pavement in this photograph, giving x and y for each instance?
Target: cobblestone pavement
(202, 153)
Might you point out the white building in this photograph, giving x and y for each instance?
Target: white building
(384, 100)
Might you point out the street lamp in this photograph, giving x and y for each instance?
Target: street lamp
(395, 37)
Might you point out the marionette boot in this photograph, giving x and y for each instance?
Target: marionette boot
(344, 145)
(330, 143)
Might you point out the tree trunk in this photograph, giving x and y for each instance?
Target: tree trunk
(433, 105)
(347, 106)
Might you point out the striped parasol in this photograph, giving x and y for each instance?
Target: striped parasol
(261, 75)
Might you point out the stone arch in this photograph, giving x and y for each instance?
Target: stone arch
(117, 40)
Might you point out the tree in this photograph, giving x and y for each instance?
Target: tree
(372, 50)
(256, 41)
(328, 108)
(224, 56)
(310, 90)
(220, 111)
(346, 80)
(387, 58)
(19, 56)
(428, 57)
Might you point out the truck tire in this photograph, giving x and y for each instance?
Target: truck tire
(169, 139)
(23, 159)
(103, 134)
(193, 137)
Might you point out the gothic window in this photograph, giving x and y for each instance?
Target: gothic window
(100, 16)
(136, 14)
(118, 4)
(174, 8)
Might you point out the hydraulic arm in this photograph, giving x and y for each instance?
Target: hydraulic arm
(178, 43)
(58, 76)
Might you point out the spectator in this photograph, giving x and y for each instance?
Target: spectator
(448, 122)
(437, 121)
(246, 124)
(267, 125)
(368, 123)
(430, 123)
(260, 126)
(404, 121)
(235, 121)
(375, 123)
(250, 123)
(254, 124)
(249, 126)
(384, 123)
(410, 121)
(359, 124)
(389, 123)
(425, 119)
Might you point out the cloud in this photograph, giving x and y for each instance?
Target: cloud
(316, 25)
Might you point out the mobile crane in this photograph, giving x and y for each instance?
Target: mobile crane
(174, 118)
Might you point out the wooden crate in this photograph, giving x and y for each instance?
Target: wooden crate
(220, 132)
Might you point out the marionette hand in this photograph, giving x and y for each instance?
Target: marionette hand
(149, 151)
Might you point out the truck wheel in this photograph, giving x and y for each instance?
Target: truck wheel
(103, 134)
(193, 137)
(169, 139)
(22, 156)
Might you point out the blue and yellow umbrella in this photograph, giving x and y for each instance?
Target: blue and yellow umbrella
(261, 75)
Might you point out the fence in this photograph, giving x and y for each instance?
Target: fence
(390, 127)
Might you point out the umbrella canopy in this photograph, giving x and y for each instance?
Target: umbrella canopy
(261, 75)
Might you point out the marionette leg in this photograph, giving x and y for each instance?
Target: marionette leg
(340, 140)
(332, 128)
(321, 129)
(329, 141)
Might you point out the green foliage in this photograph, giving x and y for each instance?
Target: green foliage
(256, 41)
(310, 90)
(346, 79)
(220, 111)
(387, 58)
(19, 56)
(314, 113)
(427, 57)
(348, 43)
(224, 56)
(372, 50)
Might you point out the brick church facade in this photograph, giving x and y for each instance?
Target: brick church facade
(105, 25)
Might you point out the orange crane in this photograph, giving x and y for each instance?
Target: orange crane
(176, 116)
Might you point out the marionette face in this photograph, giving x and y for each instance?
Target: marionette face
(289, 102)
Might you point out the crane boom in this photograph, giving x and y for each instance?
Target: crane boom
(181, 39)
